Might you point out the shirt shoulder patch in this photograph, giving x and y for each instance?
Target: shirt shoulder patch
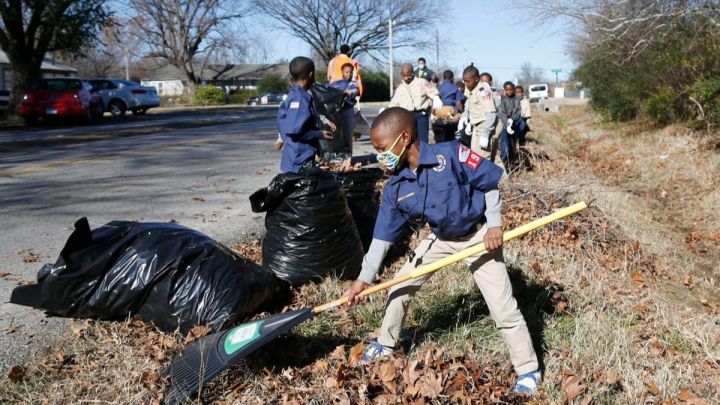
(294, 105)
(473, 160)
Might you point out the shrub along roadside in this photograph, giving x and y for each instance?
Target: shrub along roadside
(675, 78)
(210, 95)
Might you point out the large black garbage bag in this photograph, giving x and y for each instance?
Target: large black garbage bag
(170, 275)
(363, 198)
(310, 230)
(327, 101)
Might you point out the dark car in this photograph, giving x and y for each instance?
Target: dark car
(61, 97)
(267, 98)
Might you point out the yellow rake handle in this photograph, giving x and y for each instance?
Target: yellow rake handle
(463, 254)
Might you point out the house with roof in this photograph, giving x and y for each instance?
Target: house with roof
(170, 81)
(49, 68)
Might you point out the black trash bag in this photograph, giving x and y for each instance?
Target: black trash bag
(363, 198)
(328, 102)
(444, 130)
(169, 275)
(310, 230)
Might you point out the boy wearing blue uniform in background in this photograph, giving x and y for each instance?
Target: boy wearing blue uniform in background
(297, 120)
(347, 111)
(449, 92)
(455, 191)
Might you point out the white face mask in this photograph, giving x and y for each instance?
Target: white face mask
(421, 66)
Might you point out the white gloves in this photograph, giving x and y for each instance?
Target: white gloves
(509, 126)
(437, 103)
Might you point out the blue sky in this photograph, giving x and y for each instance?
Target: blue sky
(499, 40)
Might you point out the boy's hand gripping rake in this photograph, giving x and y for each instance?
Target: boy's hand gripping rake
(207, 357)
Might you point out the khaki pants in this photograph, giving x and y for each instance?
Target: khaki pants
(484, 129)
(490, 276)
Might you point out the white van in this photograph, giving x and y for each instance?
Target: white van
(538, 92)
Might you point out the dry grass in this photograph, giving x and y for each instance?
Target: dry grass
(621, 299)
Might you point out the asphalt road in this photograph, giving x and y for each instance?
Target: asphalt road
(196, 167)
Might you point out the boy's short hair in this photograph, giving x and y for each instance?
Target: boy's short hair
(486, 74)
(348, 64)
(471, 69)
(521, 88)
(301, 67)
(421, 59)
(345, 48)
(448, 75)
(509, 83)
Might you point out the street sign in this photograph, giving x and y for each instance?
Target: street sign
(556, 70)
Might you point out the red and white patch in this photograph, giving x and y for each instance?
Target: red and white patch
(473, 160)
(486, 95)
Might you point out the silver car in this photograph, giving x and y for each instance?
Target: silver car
(120, 95)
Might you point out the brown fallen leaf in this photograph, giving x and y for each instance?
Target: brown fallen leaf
(320, 366)
(387, 371)
(410, 374)
(637, 277)
(688, 280)
(686, 397)
(651, 387)
(611, 378)
(196, 332)
(356, 353)
(536, 267)
(29, 256)
(198, 198)
(16, 373)
(430, 384)
(338, 353)
(572, 386)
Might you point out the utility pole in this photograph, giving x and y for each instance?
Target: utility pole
(127, 64)
(390, 55)
(437, 50)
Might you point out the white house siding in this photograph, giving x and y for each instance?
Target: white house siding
(166, 87)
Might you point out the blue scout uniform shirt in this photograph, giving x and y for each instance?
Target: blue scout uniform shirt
(348, 102)
(449, 93)
(299, 129)
(448, 192)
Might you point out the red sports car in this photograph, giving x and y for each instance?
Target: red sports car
(61, 97)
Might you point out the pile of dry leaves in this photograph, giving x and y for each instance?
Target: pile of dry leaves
(432, 377)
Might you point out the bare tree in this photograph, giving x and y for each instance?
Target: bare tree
(115, 52)
(623, 27)
(185, 33)
(363, 24)
(30, 29)
(530, 74)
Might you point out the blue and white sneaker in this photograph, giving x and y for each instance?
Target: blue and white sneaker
(528, 383)
(374, 351)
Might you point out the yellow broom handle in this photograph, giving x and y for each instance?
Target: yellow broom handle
(454, 258)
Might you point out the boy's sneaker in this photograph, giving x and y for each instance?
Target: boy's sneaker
(374, 351)
(528, 383)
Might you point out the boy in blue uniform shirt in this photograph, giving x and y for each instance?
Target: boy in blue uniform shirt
(449, 92)
(347, 110)
(297, 120)
(455, 191)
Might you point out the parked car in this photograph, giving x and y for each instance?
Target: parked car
(61, 97)
(120, 95)
(538, 92)
(267, 98)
